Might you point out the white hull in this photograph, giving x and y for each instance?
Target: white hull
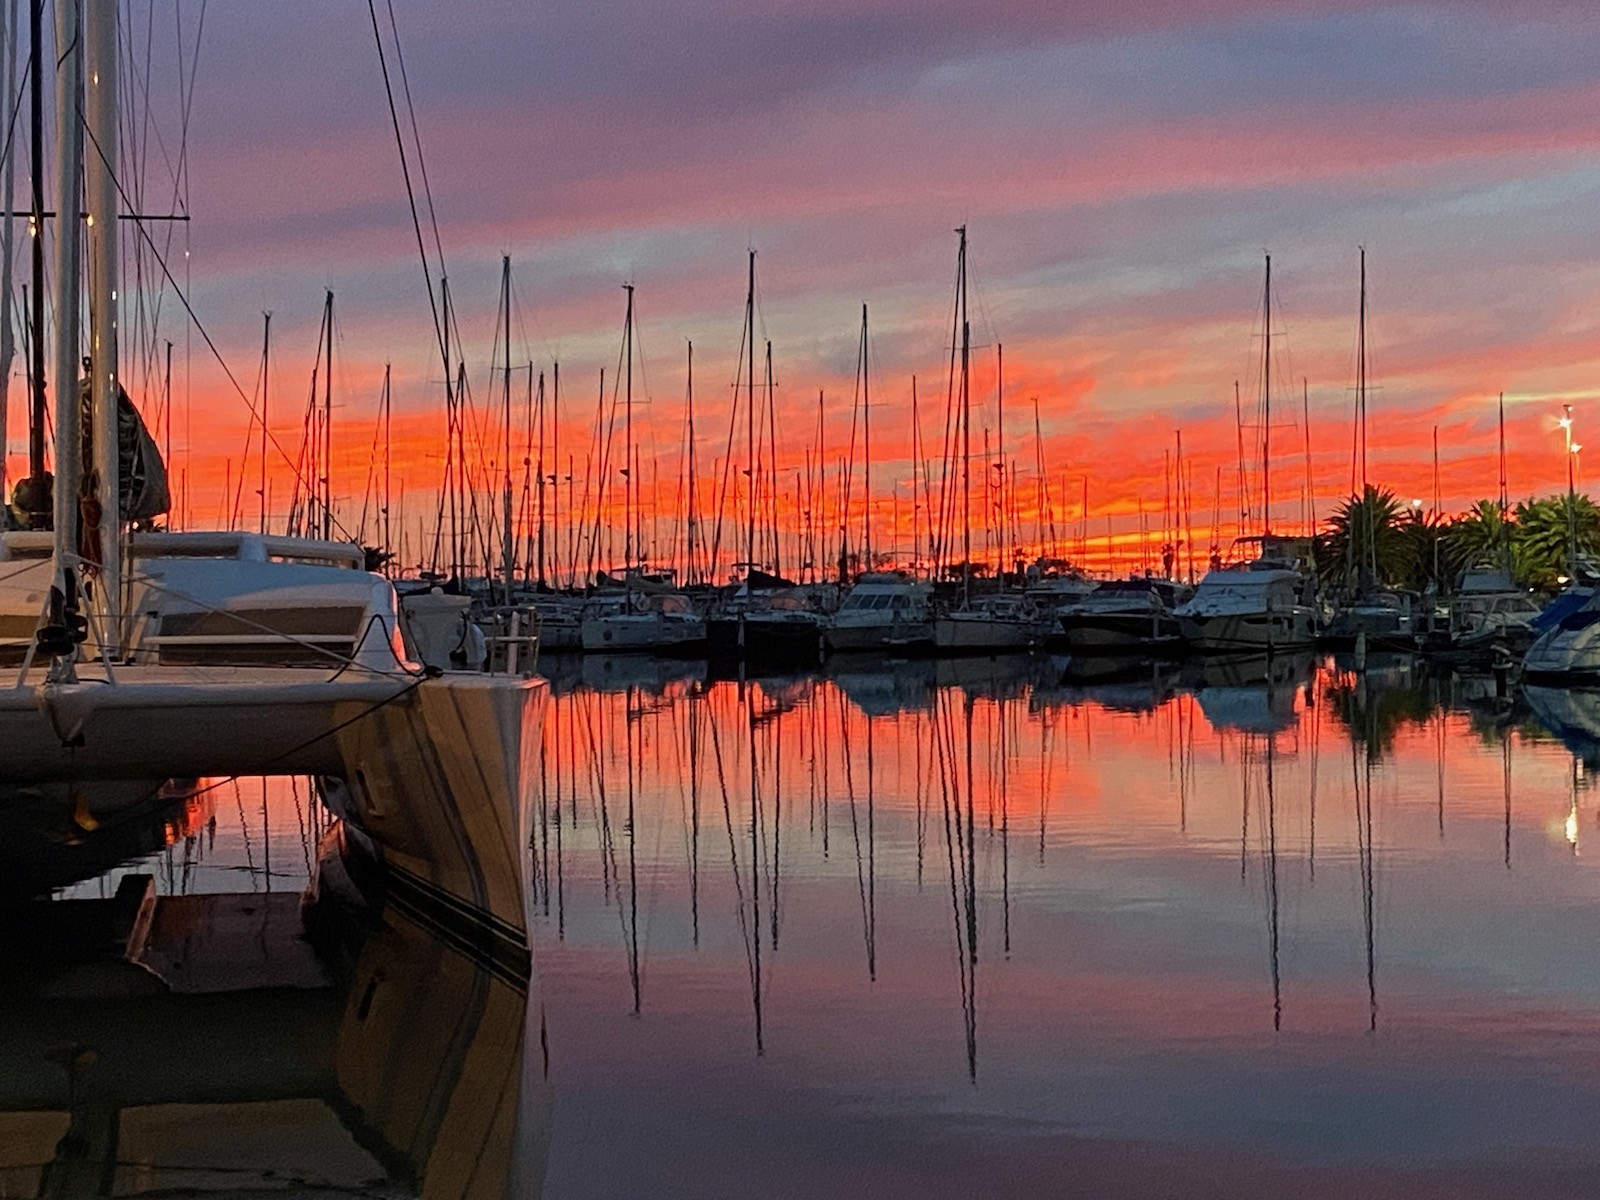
(896, 635)
(978, 631)
(621, 633)
(435, 768)
(1281, 630)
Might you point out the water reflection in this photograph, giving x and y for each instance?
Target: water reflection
(393, 1053)
(908, 914)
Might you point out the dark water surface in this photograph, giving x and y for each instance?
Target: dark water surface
(987, 929)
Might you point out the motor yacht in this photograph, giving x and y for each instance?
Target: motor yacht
(885, 610)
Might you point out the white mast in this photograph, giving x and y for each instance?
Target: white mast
(8, 179)
(69, 167)
(100, 111)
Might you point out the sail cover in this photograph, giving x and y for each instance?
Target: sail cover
(141, 473)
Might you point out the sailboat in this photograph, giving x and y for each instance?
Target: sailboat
(645, 614)
(158, 655)
(890, 610)
(987, 623)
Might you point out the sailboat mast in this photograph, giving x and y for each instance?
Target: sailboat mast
(327, 426)
(866, 441)
(100, 187)
(8, 182)
(266, 391)
(916, 452)
(555, 478)
(1266, 406)
(388, 459)
(507, 545)
(1361, 376)
(1238, 429)
(750, 416)
(627, 443)
(68, 403)
(689, 566)
(772, 467)
(1005, 539)
(966, 420)
(36, 416)
(1311, 496)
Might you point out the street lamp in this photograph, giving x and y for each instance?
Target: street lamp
(1572, 491)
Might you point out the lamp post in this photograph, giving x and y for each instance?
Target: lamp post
(1572, 493)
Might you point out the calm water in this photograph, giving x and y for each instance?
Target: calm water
(976, 928)
(991, 928)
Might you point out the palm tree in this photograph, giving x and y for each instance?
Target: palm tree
(1365, 545)
(1480, 537)
(1543, 541)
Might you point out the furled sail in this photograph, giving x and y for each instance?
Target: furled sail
(141, 473)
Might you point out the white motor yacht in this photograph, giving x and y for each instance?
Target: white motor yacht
(1260, 607)
(885, 610)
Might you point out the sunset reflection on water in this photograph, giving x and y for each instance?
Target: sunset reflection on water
(909, 928)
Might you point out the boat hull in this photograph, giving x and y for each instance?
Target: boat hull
(1118, 633)
(977, 633)
(434, 769)
(1232, 632)
(887, 636)
(642, 633)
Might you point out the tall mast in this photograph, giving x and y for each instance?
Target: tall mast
(388, 456)
(69, 226)
(750, 417)
(966, 419)
(1005, 538)
(689, 518)
(36, 417)
(1361, 381)
(916, 453)
(1266, 407)
(8, 346)
(100, 88)
(1305, 416)
(866, 438)
(507, 545)
(772, 466)
(555, 479)
(1238, 429)
(327, 424)
(266, 362)
(628, 484)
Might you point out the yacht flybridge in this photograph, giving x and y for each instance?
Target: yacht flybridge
(148, 656)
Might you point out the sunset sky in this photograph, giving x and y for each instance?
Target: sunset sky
(1121, 170)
